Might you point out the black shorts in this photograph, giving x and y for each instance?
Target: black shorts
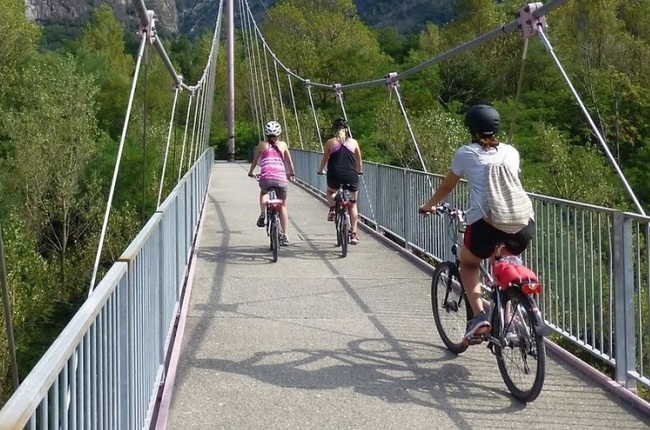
(350, 183)
(482, 238)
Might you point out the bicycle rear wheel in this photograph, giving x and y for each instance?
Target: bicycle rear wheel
(450, 308)
(275, 237)
(520, 352)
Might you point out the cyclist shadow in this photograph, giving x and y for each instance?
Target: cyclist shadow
(248, 255)
(390, 373)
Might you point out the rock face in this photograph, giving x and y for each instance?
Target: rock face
(54, 11)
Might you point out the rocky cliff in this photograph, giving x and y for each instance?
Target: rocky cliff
(56, 11)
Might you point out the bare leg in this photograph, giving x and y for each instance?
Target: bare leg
(470, 277)
(263, 200)
(284, 218)
(354, 213)
(330, 196)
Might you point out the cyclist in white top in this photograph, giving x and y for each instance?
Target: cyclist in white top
(481, 238)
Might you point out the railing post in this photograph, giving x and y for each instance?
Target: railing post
(623, 270)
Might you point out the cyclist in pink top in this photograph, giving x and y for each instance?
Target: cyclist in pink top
(276, 166)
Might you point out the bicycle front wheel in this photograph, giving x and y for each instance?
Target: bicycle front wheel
(520, 352)
(345, 235)
(449, 305)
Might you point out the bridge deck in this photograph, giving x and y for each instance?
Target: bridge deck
(317, 341)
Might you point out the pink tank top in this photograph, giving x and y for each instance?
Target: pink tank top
(272, 165)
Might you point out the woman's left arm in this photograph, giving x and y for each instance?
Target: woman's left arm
(357, 156)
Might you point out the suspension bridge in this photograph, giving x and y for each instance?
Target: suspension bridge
(193, 327)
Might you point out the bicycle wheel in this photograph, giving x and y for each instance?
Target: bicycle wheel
(275, 237)
(345, 234)
(337, 224)
(450, 308)
(520, 352)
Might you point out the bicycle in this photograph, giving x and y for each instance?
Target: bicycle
(518, 328)
(342, 202)
(272, 220)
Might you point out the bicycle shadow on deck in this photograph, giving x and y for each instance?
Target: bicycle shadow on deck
(261, 254)
(373, 367)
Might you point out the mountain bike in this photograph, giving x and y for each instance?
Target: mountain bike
(272, 223)
(518, 329)
(342, 202)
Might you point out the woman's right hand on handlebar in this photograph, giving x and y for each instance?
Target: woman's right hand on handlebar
(427, 209)
(320, 172)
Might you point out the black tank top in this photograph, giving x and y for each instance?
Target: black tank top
(341, 162)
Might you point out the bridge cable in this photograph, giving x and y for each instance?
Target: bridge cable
(268, 76)
(313, 109)
(295, 111)
(252, 87)
(177, 90)
(144, 35)
(143, 212)
(549, 48)
(519, 85)
(284, 119)
(261, 78)
(187, 121)
(494, 34)
(197, 110)
(339, 94)
(393, 84)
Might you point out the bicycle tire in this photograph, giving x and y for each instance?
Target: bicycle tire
(337, 224)
(448, 276)
(275, 238)
(345, 236)
(533, 345)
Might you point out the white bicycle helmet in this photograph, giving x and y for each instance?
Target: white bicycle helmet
(272, 128)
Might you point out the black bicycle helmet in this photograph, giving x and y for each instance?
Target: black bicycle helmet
(483, 119)
(339, 123)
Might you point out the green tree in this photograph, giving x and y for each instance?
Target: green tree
(19, 39)
(53, 133)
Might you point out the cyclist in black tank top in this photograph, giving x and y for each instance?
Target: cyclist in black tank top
(342, 156)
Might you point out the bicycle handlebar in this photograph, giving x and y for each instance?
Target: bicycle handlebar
(444, 208)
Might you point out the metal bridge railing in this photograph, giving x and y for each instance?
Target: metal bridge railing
(107, 366)
(594, 262)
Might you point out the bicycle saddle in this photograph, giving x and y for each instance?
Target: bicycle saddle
(507, 273)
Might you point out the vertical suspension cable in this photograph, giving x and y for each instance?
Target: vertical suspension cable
(284, 119)
(549, 48)
(313, 110)
(268, 76)
(261, 100)
(245, 29)
(394, 85)
(339, 95)
(169, 136)
(196, 114)
(261, 78)
(295, 111)
(187, 122)
(144, 137)
(520, 82)
(196, 127)
(252, 88)
(143, 39)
